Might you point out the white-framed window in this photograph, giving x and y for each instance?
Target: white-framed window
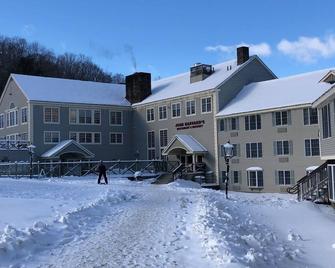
(162, 112)
(2, 121)
(151, 154)
(12, 118)
(310, 116)
(150, 114)
(151, 145)
(175, 107)
(116, 138)
(86, 137)
(190, 108)
(284, 147)
(13, 137)
(84, 116)
(326, 122)
(229, 124)
(115, 118)
(312, 147)
(24, 115)
(237, 176)
(51, 137)
(281, 118)
(284, 177)
(51, 115)
(163, 138)
(253, 122)
(206, 105)
(255, 178)
(254, 150)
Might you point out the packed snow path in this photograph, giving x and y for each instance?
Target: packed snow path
(76, 223)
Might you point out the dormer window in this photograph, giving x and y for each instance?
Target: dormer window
(329, 77)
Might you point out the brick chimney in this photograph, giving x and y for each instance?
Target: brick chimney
(138, 87)
(242, 55)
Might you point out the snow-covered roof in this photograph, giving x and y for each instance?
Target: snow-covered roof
(37, 88)
(190, 143)
(254, 169)
(57, 149)
(283, 92)
(180, 85)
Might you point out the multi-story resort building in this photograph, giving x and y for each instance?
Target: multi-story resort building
(188, 117)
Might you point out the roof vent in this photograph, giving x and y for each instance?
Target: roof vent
(199, 72)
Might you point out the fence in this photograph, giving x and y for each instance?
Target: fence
(83, 168)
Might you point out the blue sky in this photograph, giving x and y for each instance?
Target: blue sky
(167, 37)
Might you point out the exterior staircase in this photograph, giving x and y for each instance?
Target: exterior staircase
(313, 186)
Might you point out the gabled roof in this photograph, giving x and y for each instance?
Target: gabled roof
(71, 145)
(38, 88)
(191, 144)
(180, 85)
(295, 90)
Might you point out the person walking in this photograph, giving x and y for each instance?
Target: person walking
(102, 172)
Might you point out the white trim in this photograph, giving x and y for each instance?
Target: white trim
(109, 117)
(254, 169)
(24, 123)
(86, 132)
(148, 139)
(116, 143)
(146, 114)
(51, 107)
(208, 97)
(332, 182)
(51, 131)
(3, 120)
(8, 111)
(77, 116)
(167, 138)
(175, 103)
(195, 108)
(158, 112)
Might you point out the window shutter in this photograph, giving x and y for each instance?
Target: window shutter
(240, 177)
(289, 120)
(273, 119)
(246, 122)
(275, 148)
(292, 177)
(290, 144)
(276, 177)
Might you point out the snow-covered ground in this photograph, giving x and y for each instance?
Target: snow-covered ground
(74, 222)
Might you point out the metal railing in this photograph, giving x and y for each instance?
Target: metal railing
(83, 168)
(14, 144)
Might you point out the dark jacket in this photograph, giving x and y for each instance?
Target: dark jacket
(102, 168)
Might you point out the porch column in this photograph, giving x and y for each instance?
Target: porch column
(193, 161)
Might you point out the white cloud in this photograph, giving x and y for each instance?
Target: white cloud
(308, 49)
(261, 49)
(28, 30)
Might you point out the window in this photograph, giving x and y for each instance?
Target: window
(254, 150)
(116, 138)
(253, 122)
(284, 177)
(24, 115)
(51, 115)
(86, 137)
(236, 177)
(283, 147)
(206, 105)
(12, 137)
(190, 107)
(2, 121)
(255, 178)
(151, 139)
(312, 147)
(175, 110)
(151, 154)
(162, 112)
(150, 115)
(51, 137)
(11, 117)
(163, 139)
(310, 116)
(229, 124)
(85, 116)
(23, 137)
(281, 118)
(115, 118)
(326, 125)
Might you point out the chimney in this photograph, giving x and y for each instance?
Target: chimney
(242, 55)
(138, 87)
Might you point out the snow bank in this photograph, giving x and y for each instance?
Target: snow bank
(184, 184)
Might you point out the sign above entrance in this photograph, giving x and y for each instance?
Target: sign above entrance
(191, 124)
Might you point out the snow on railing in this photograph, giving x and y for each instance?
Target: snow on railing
(14, 144)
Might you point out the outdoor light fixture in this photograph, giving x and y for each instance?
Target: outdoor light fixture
(31, 149)
(228, 151)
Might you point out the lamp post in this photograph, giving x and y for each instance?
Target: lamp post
(228, 153)
(31, 149)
